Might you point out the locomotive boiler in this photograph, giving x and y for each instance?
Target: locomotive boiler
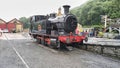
(56, 31)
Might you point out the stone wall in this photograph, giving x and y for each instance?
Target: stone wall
(109, 35)
(103, 49)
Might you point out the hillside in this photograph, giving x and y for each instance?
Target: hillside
(89, 13)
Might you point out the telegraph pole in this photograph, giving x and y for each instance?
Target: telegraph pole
(105, 20)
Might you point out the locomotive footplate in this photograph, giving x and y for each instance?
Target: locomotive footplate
(71, 39)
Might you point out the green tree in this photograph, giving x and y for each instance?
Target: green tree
(89, 13)
(25, 22)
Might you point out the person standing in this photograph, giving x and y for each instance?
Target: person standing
(1, 32)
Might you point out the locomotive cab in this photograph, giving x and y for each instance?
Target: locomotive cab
(35, 22)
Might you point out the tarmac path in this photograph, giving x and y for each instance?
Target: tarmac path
(18, 51)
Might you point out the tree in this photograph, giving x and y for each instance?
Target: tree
(89, 13)
(25, 22)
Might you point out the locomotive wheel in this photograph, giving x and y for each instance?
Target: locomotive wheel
(38, 40)
(52, 46)
(78, 45)
(55, 45)
(42, 42)
(81, 43)
(63, 46)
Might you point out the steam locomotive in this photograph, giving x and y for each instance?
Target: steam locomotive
(56, 31)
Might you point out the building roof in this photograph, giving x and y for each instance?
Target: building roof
(14, 21)
(2, 21)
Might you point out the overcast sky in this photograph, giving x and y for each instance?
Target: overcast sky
(10, 9)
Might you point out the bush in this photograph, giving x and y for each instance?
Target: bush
(100, 34)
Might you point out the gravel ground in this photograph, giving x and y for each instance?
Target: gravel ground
(8, 58)
(35, 56)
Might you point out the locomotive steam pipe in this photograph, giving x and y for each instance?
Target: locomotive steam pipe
(66, 9)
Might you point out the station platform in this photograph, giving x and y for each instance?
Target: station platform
(109, 47)
(103, 41)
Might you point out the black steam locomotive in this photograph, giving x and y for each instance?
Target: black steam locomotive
(56, 31)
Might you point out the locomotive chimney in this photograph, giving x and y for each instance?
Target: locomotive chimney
(66, 9)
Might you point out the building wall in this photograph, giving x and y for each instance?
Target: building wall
(3, 26)
(11, 27)
(19, 28)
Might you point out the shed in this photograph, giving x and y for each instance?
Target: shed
(15, 25)
(3, 25)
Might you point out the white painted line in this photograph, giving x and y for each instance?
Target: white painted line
(18, 54)
(20, 57)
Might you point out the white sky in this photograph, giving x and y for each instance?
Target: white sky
(10, 9)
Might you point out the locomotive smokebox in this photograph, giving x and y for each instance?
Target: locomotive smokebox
(66, 9)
